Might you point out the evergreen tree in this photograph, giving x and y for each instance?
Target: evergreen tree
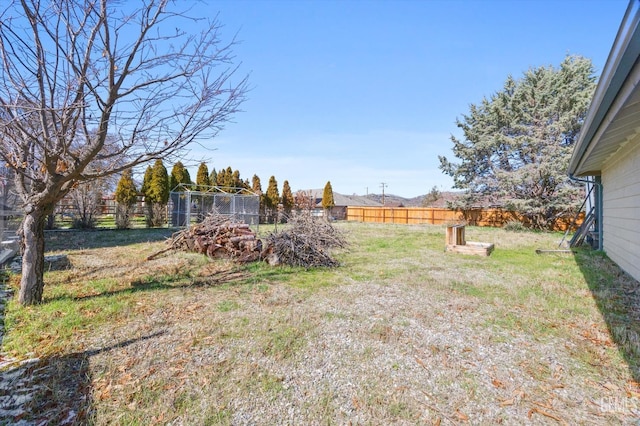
(220, 177)
(179, 175)
(287, 198)
(225, 178)
(146, 181)
(517, 144)
(146, 192)
(433, 196)
(126, 196)
(271, 199)
(156, 193)
(202, 178)
(256, 186)
(327, 198)
(159, 190)
(213, 178)
(236, 182)
(126, 191)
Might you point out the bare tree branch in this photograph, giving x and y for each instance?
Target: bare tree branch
(89, 88)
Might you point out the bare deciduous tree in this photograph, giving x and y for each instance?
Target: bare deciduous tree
(75, 70)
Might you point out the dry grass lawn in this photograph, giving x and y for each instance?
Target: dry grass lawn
(400, 333)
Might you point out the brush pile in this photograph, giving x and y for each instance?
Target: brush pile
(306, 242)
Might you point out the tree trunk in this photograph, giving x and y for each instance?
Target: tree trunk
(32, 234)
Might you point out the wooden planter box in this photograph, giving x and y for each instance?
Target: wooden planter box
(456, 243)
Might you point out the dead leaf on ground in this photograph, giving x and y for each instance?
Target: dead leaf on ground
(497, 383)
(507, 402)
(461, 416)
(610, 386)
(546, 414)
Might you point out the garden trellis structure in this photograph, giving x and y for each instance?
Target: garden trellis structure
(189, 205)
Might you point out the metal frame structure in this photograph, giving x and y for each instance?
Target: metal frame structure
(188, 205)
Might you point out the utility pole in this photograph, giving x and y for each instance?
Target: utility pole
(383, 186)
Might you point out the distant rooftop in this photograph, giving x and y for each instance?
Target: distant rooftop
(344, 200)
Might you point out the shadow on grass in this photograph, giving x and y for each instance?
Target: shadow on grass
(617, 296)
(218, 279)
(75, 239)
(52, 390)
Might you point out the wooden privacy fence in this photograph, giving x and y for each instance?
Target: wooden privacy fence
(437, 216)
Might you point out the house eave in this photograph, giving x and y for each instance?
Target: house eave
(615, 94)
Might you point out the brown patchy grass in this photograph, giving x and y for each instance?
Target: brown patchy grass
(401, 333)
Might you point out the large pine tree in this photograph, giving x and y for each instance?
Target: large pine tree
(517, 144)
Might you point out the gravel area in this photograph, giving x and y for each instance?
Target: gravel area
(362, 353)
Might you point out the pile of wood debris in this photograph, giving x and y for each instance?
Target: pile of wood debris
(217, 236)
(305, 241)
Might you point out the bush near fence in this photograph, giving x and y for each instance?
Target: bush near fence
(493, 217)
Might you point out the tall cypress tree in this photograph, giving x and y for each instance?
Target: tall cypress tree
(159, 183)
(287, 198)
(327, 198)
(271, 199)
(179, 175)
(228, 178)
(202, 178)
(126, 196)
(256, 186)
(224, 178)
(146, 181)
(156, 193)
(236, 181)
(146, 192)
(213, 177)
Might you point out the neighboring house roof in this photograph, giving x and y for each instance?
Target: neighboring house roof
(614, 114)
(340, 200)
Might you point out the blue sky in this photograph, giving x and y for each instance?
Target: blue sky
(365, 92)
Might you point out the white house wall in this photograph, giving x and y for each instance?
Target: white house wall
(621, 208)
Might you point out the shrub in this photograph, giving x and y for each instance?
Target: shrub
(514, 226)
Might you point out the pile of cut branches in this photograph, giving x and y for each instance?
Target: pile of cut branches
(217, 236)
(306, 242)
